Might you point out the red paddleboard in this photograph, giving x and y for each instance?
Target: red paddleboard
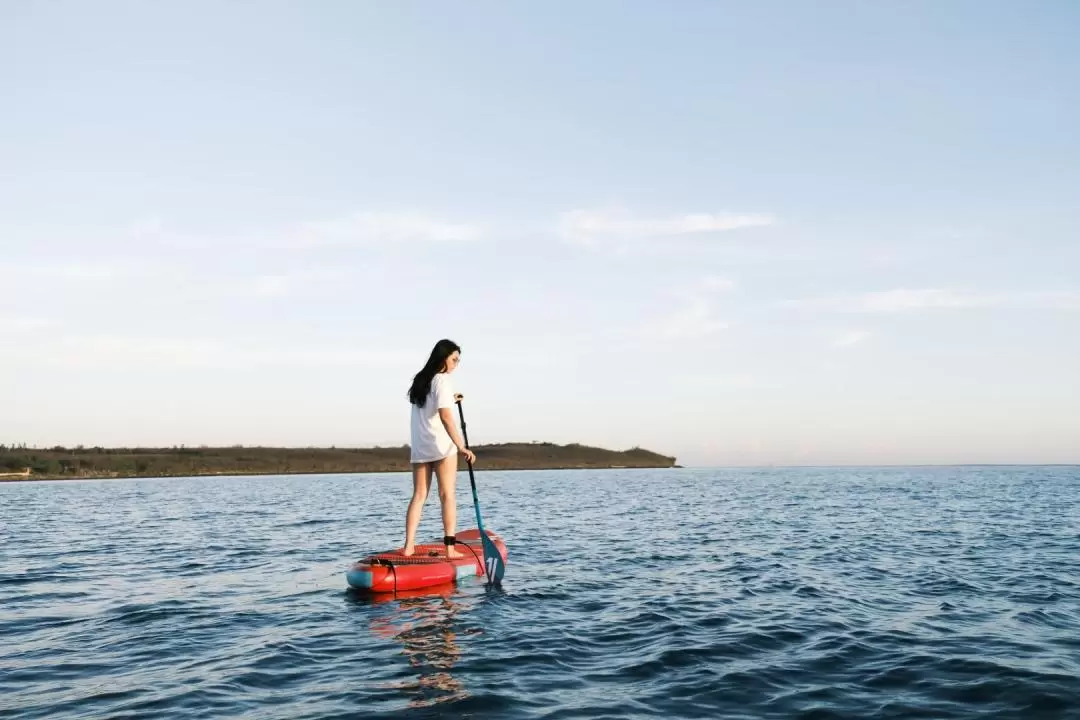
(390, 571)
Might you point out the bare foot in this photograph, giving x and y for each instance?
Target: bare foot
(453, 552)
(408, 550)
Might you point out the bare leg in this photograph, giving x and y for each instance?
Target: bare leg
(446, 470)
(421, 474)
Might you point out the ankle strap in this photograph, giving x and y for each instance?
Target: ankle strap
(449, 540)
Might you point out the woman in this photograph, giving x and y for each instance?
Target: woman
(436, 443)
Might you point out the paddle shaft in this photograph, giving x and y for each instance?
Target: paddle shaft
(493, 562)
(472, 477)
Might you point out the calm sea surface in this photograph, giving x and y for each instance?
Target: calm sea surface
(795, 593)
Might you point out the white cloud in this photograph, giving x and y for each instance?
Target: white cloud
(112, 351)
(269, 286)
(66, 271)
(148, 229)
(283, 284)
(93, 352)
(365, 228)
(716, 283)
(595, 227)
(1065, 300)
(904, 299)
(361, 228)
(702, 380)
(22, 323)
(694, 319)
(850, 339)
(696, 315)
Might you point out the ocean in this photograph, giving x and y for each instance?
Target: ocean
(936, 592)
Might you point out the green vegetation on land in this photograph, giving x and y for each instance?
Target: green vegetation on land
(95, 462)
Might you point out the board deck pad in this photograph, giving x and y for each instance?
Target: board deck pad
(391, 571)
(427, 554)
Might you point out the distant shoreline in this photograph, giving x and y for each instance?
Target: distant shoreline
(20, 464)
(6, 479)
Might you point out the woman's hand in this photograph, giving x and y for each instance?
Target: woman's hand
(469, 454)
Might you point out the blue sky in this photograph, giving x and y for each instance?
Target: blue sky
(740, 233)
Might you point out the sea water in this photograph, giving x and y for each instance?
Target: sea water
(950, 592)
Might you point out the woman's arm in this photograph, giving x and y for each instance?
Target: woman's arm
(447, 417)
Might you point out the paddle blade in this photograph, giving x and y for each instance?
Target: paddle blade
(493, 561)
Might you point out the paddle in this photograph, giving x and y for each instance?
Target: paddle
(493, 562)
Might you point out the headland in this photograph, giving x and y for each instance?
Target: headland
(61, 463)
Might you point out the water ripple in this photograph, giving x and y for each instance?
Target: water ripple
(802, 593)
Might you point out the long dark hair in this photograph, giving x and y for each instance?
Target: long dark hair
(421, 384)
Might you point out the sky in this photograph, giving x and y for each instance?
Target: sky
(736, 233)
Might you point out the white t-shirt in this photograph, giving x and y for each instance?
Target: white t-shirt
(430, 441)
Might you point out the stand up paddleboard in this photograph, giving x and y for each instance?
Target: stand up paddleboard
(390, 571)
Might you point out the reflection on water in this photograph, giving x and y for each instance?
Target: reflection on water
(425, 623)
